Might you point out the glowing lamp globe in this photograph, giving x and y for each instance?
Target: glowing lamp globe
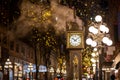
(98, 18)
(94, 44)
(109, 43)
(105, 40)
(89, 41)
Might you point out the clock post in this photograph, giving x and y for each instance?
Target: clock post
(75, 42)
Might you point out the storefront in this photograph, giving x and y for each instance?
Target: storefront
(29, 72)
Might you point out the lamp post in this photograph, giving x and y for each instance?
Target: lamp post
(97, 36)
(61, 69)
(30, 68)
(95, 61)
(51, 70)
(8, 66)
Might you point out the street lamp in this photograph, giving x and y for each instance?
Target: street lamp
(30, 68)
(8, 66)
(97, 36)
(95, 61)
(61, 69)
(51, 70)
(98, 32)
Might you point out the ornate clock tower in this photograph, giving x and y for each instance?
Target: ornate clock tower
(75, 42)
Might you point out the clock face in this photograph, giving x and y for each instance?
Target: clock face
(75, 40)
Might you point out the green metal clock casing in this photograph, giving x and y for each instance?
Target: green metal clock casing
(75, 39)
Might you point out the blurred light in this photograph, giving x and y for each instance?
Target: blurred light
(94, 44)
(58, 70)
(95, 49)
(116, 71)
(95, 31)
(102, 28)
(91, 28)
(93, 54)
(105, 39)
(8, 64)
(109, 42)
(93, 65)
(98, 18)
(56, 18)
(93, 60)
(89, 41)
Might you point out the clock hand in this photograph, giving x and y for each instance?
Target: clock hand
(77, 39)
(74, 39)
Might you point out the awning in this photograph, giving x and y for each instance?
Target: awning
(107, 64)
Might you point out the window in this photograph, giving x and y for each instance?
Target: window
(4, 40)
(17, 48)
(11, 45)
(23, 50)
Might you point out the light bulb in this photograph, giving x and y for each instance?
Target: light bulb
(106, 30)
(98, 18)
(95, 49)
(93, 54)
(91, 29)
(102, 28)
(94, 65)
(94, 44)
(105, 40)
(95, 31)
(109, 43)
(89, 41)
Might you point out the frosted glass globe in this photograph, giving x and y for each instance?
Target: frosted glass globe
(89, 41)
(95, 49)
(105, 40)
(98, 18)
(93, 60)
(102, 28)
(106, 30)
(95, 31)
(91, 29)
(109, 43)
(94, 44)
(93, 65)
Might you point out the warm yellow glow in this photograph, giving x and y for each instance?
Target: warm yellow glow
(95, 49)
(51, 69)
(93, 60)
(93, 65)
(93, 54)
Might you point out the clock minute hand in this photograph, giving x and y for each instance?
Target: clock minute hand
(77, 38)
(74, 39)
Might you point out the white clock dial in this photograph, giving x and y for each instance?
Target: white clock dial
(75, 40)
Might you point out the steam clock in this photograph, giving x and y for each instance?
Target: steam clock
(75, 42)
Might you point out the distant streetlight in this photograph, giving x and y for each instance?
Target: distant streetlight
(30, 68)
(51, 70)
(61, 69)
(8, 66)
